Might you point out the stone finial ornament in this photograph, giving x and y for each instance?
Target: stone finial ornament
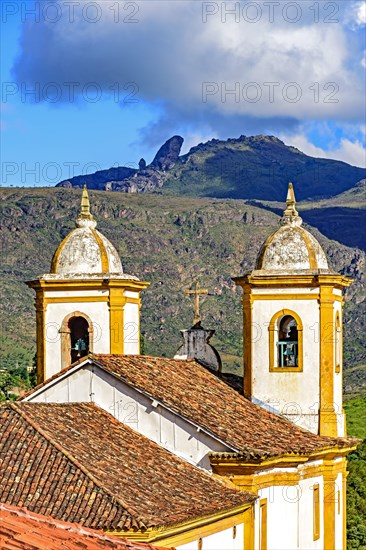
(291, 215)
(85, 218)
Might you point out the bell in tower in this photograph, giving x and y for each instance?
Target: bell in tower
(292, 319)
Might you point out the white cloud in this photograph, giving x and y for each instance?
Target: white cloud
(360, 13)
(170, 53)
(352, 152)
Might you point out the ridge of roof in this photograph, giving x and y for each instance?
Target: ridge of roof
(283, 425)
(162, 488)
(266, 433)
(139, 523)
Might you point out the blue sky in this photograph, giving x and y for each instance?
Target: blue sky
(112, 81)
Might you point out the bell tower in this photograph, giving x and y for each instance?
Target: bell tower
(292, 322)
(87, 303)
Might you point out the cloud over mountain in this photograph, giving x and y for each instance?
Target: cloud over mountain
(209, 66)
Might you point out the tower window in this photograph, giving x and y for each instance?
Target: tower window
(285, 342)
(288, 342)
(76, 337)
(79, 337)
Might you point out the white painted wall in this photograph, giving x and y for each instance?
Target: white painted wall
(296, 395)
(90, 383)
(98, 312)
(306, 531)
(219, 541)
(131, 329)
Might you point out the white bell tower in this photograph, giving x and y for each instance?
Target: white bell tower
(86, 304)
(292, 307)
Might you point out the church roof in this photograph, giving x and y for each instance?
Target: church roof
(196, 394)
(291, 249)
(85, 252)
(20, 528)
(78, 463)
(200, 396)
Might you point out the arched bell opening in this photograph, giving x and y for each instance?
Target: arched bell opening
(288, 342)
(285, 342)
(77, 337)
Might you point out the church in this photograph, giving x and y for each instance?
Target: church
(165, 451)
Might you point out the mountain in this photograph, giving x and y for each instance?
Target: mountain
(257, 167)
(170, 241)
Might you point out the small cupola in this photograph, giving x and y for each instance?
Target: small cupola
(291, 248)
(85, 251)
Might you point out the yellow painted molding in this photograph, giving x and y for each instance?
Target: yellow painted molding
(191, 530)
(283, 297)
(117, 301)
(328, 422)
(87, 284)
(58, 252)
(310, 248)
(300, 281)
(344, 504)
(249, 523)
(41, 307)
(248, 344)
(237, 466)
(75, 299)
(263, 524)
(316, 512)
(103, 252)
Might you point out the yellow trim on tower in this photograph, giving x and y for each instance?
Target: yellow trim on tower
(316, 512)
(292, 296)
(344, 503)
(117, 302)
(329, 476)
(328, 423)
(248, 343)
(41, 307)
(249, 523)
(103, 252)
(54, 262)
(310, 248)
(263, 524)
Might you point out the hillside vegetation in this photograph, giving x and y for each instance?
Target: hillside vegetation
(171, 242)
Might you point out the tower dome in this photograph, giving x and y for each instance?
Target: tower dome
(85, 252)
(291, 249)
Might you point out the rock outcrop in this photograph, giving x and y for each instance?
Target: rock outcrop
(133, 180)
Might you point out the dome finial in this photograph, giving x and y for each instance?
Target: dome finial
(291, 215)
(85, 218)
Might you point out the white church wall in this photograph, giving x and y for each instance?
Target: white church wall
(223, 540)
(131, 328)
(306, 513)
(90, 383)
(290, 512)
(56, 313)
(294, 394)
(282, 517)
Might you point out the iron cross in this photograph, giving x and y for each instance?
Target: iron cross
(197, 292)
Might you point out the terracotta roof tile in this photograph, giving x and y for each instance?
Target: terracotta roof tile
(198, 395)
(75, 462)
(25, 530)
